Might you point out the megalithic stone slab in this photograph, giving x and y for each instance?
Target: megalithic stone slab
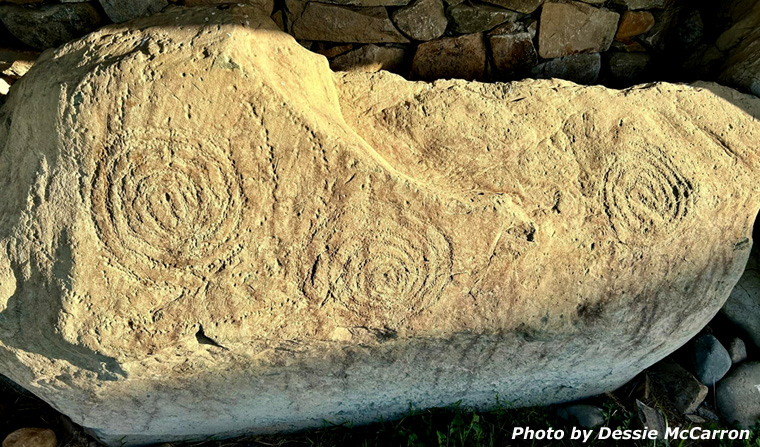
(204, 231)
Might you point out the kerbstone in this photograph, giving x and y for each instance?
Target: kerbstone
(205, 231)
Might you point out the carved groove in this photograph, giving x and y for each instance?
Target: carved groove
(646, 194)
(392, 270)
(163, 202)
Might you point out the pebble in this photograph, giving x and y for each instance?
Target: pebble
(711, 359)
(31, 437)
(738, 395)
(587, 416)
(737, 350)
(682, 389)
(651, 418)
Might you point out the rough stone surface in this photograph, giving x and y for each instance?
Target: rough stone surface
(31, 437)
(51, 25)
(330, 49)
(320, 21)
(512, 54)
(365, 3)
(651, 418)
(370, 58)
(737, 350)
(461, 57)
(688, 33)
(708, 413)
(641, 4)
(279, 19)
(742, 66)
(587, 416)
(469, 18)
(627, 67)
(682, 389)
(738, 396)
(267, 4)
(15, 63)
(421, 20)
(634, 23)
(121, 11)
(524, 6)
(743, 305)
(571, 28)
(579, 68)
(711, 359)
(204, 221)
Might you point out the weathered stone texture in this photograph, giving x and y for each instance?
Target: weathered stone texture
(462, 57)
(201, 219)
(737, 395)
(121, 11)
(513, 53)
(633, 24)
(319, 21)
(571, 28)
(524, 6)
(641, 4)
(579, 68)
(742, 43)
(469, 19)
(627, 67)
(31, 437)
(15, 63)
(370, 58)
(47, 26)
(743, 305)
(682, 389)
(421, 20)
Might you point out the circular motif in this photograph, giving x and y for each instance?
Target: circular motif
(387, 270)
(165, 202)
(645, 195)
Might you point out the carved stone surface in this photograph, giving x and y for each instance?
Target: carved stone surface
(203, 230)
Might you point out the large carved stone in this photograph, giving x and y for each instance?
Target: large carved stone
(203, 230)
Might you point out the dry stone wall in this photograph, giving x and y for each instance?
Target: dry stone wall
(614, 42)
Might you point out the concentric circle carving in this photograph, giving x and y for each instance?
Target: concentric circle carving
(163, 201)
(388, 269)
(646, 194)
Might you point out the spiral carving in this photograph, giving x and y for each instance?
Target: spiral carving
(645, 194)
(166, 202)
(389, 270)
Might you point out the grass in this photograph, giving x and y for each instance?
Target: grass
(455, 427)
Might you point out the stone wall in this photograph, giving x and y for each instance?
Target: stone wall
(613, 42)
